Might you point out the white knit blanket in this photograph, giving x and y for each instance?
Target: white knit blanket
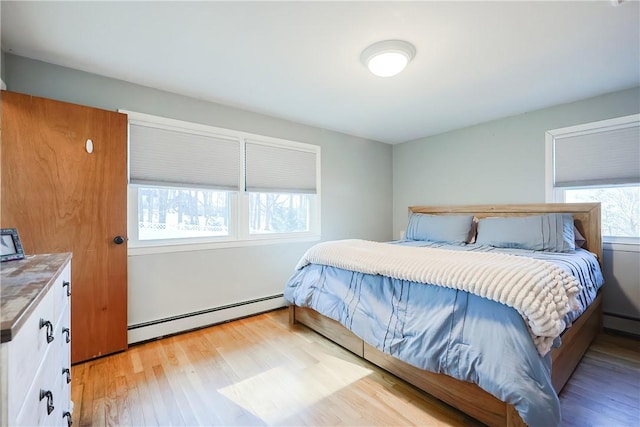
(541, 292)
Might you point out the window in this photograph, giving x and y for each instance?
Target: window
(280, 213)
(281, 182)
(600, 162)
(620, 208)
(174, 213)
(192, 186)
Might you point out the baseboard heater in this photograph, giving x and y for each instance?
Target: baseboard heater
(160, 328)
(622, 323)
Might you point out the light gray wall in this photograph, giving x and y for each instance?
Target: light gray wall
(356, 193)
(503, 161)
(2, 85)
(2, 67)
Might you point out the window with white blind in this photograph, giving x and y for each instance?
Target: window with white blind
(281, 180)
(194, 186)
(599, 161)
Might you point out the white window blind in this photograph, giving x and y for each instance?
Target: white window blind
(602, 157)
(277, 169)
(160, 156)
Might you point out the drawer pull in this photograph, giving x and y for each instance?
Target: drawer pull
(49, 326)
(68, 333)
(68, 286)
(67, 415)
(49, 397)
(68, 372)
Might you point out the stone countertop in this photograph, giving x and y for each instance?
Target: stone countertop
(23, 283)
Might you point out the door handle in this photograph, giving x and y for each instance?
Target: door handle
(118, 240)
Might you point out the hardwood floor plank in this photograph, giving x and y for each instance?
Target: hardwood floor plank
(156, 396)
(623, 379)
(123, 397)
(168, 398)
(98, 413)
(111, 398)
(97, 370)
(131, 400)
(145, 408)
(261, 371)
(614, 414)
(76, 397)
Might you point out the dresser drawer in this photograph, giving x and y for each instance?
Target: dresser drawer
(61, 401)
(65, 404)
(63, 350)
(50, 378)
(28, 350)
(62, 292)
(63, 333)
(62, 362)
(33, 411)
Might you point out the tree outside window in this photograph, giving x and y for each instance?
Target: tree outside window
(620, 208)
(167, 213)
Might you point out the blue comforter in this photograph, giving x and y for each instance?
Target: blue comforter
(445, 330)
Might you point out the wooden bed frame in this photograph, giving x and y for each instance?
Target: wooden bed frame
(466, 396)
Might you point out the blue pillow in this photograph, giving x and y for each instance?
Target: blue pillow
(439, 228)
(568, 233)
(550, 232)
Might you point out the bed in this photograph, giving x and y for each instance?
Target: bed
(466, 395)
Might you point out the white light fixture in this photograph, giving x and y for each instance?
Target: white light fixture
(387, 58)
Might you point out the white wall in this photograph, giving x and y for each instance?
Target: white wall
(503, 161)
(356, 194)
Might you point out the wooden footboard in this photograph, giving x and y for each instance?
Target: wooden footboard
(465, 396)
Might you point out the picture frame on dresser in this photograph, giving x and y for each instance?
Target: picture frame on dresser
(10, 245)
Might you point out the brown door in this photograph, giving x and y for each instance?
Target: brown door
(62, 198)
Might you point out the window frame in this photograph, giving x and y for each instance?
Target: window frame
(239, 233)
(557, 194)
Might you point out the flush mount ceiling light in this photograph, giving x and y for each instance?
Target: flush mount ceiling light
(387, 58)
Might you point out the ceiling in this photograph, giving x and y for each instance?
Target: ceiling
(476, 61)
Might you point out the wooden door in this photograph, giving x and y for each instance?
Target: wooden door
(62, 198)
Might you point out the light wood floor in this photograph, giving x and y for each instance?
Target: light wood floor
(260, 371)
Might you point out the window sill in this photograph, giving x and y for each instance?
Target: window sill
(188, 247)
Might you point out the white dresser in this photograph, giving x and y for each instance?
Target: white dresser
(35, 349)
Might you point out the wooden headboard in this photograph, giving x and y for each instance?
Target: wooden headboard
(586, 216)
